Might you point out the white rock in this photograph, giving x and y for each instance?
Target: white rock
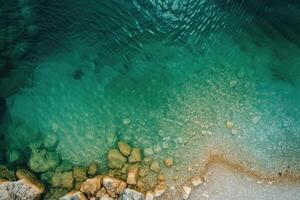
(148, 151)
(149, 195)
(186, 191)
(196, 181)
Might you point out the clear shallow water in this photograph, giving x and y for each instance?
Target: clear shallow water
(178, 80)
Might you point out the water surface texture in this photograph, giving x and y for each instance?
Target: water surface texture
(186, 78)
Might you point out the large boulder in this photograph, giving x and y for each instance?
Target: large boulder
(19, 190)
(116, 159)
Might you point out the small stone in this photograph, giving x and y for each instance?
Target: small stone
(160, 189)
(79, 174)
(149, 195)
(157, 148)
(132, 176)
(148, 151)
(196, 181)
(124, 148)
(93, 169)
(101, 192)
(186, 191)
(190, 168)
(229, 124)
(130, 194)
(135, 156)
(67, 180)
(161, 177)
(126, 121)
(115, 159)
(155, 167)
(91, 186)
(168, 162)
(73, 196)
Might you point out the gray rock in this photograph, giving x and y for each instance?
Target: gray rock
(130, 194)
(73, 196)
(19, 190)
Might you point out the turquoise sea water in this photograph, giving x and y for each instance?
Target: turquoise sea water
(166, 75)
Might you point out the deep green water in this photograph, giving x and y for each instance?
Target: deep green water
(178, 71)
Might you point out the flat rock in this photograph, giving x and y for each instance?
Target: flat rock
(155, 167)
(130, 194)
(67, 180)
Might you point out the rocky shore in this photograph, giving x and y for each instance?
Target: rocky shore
(132, 174)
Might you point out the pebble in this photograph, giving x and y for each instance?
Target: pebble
(130, 194)
(124, 148)
(132, 176)
(135, 156)
(157, 148)
(160, 189)
(126, 121)
(116, 159)
(168, 162)
(155, 166)
(93, 169)
(196, 181)
(149, 195)
(229, 124)
(148, 151)
(186, 191)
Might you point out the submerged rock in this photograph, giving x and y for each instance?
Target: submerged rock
(5, 173)
(135, 156)
(155, 167)
(80, 174)
(116, 159)
(130, 194)
(93, 169)
(67, 180)
(42, 161)
(168, 162)
(124, 148)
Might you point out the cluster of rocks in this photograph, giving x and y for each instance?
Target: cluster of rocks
(127, 177)
(133, 175)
